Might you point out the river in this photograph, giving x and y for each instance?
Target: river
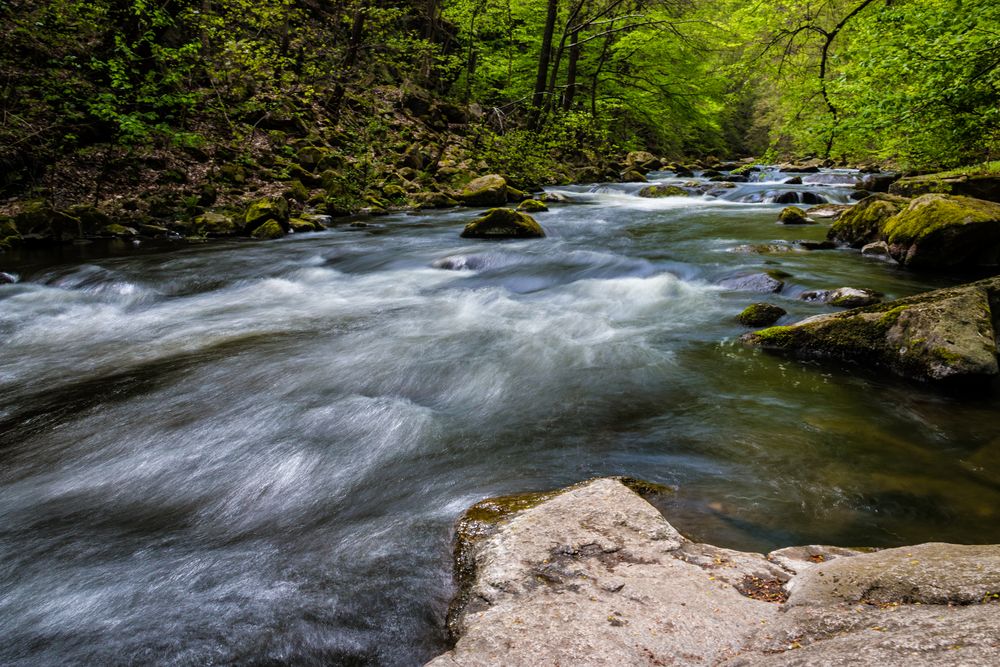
(253, 453)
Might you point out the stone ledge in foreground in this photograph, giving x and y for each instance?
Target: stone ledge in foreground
(594, 575)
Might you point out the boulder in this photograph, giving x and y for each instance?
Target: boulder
(979, 186)
(829, 211)
(264, 210)
(760, 315)
(215, 224)
(844, 297)
(488, 190)
(300, 225)
(876, 249)
(423, 200)
(794, 180)
(8, 278)
(657, 191)
(503, 223)
(757, 282)
(632, 176)
(117, 230)
(793, 215)
(532, 206)
(595, 575)
(877, 182)
(863, 223)
(554, 198)
(943, 335)
(640, 158)
(943, 231)
(271, 229)
(9, 235)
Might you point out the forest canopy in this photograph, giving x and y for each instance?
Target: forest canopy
(912, 82)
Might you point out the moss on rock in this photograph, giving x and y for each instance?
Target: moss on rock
(944, 335)
(760, 315)
(863, 223)
(657, 191)
(215, 224)
(938, 231)
(269, 230)
(532, 206)
(793, 215)
(9, 235)
(501, 223)
(490, 190)
(271, 209)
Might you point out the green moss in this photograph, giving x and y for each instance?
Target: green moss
(300, 225)
(269, 230)
(793, 215)
(929, 214)
(117, 230)
(760, 314)
(532, 206)
(273, 209)
(9, 236)
(657, 191)
(775, 336)
(863, 223)
(890, 316)
(499, 223)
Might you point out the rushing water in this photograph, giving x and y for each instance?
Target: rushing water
(253, 453)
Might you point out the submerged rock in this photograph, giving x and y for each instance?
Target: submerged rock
(940, 231)
(657, 191)
(490, 190)
(760, 315)
(944, 335)
(595, 575)
(501, 223)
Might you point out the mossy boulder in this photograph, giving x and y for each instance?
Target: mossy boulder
(863, 223)
(297, 191)
(299, 225)
(9, 235)
(117, 230)
(942, 231)
(488, 190)
(968, 184)
(657, 191)
(844, 297)
(632, 176)
(424, 200)
(271, 229)
(760, 315)
(793, 215)
(216, 224)
(503, 223)
(532, 206)
(265, 210)
(941, 336)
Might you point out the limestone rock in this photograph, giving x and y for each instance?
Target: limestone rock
(501, 223)
(488, 190)
(943, 335)
(594, 575)
(942, 231)
(863, 223)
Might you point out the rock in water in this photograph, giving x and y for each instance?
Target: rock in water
(532, 206)
(793, 215)
(757, 282)
(844, 297)
(594, 575)
(488, 190)
(760, 315)
(863, 223)
(657, 191)
(944, 335)
(942, 231)
(981, 186)
(503, 223)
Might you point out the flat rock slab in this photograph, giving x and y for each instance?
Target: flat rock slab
(594, 575)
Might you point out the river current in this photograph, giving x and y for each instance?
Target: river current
(254, 453)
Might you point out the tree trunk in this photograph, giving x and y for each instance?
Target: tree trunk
(543, 61)
(574, 58)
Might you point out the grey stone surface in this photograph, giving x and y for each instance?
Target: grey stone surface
(594, 575)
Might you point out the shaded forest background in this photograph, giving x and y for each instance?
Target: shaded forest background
(531, 88)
